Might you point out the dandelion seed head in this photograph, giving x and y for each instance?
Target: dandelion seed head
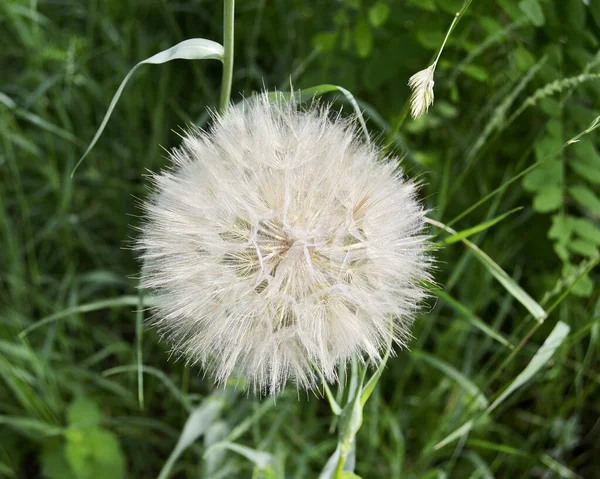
(421, 84)
(278, 242)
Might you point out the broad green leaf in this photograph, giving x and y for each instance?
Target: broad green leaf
(534, 11)
(83, 412)
(192, 49)
(584, 287)
(94, 453)
(545, 147)
(476, 72)
(541, 357)
(523, 58)
(562, 228)
(586, 229)
(548, 199)
(548, 173)
(477, 229)
(595, 11)
(430, 39)
(511, 8)
(363, 38)
(379, 13)
(55, 464)
(197, 423)
(450, 371)
(586, 152)
(325, 41)
(583, 248)
(586, 171)
(586, 198)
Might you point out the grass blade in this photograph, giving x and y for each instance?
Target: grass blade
(196, 425)
(85, 308)
(463, 381)
(470, 317)
(541, 357)
(192, 49)
(501, 276)
(477, 229)
(319, 90)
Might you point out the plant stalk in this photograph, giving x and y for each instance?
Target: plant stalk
(228, 14)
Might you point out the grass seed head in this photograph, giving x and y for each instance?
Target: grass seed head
(421, 84)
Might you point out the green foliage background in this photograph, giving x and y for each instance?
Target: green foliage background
(90, 393)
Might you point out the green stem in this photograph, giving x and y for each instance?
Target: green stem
(228, 13)
(406, 108)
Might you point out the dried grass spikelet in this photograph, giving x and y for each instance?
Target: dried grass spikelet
(421, 84)
(278, 242)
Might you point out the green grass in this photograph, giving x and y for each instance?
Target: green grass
(68, 323)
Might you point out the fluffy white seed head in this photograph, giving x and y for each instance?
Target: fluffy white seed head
(421, 84)
(278, 243)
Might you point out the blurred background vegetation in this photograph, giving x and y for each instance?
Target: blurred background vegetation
(90, 393)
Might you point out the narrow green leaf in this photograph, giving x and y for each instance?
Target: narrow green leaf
(260, 459)
(196, 425)
(481, 466)
(453, 436)
(331, 464)
(37, 120)
(503, 278)
(139, 330)
(541, 357)
(463, 381)
(477, 229)
(534, 11)
(368, 389)
(335, 407)
(470, 317)
(31, 425)
(156, 373)
(319, 90)
(363, 38)
(192, 49)
(86, 308)
(560, 469)
(586, 198)
(492, 446)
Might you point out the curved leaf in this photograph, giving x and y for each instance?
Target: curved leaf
(192, 49)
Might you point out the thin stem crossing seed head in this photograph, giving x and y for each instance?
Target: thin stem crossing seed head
(279, 241)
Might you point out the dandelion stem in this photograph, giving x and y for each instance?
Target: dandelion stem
(228, 14)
